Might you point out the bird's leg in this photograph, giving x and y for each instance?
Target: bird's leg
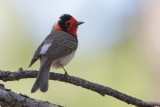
(66, 74)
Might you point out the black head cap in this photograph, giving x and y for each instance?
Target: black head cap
(62, 20)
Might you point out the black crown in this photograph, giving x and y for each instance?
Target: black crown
(62, 20)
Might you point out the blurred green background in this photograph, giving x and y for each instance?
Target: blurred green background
(118, 47)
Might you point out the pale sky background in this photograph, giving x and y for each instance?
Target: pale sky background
(106, 22)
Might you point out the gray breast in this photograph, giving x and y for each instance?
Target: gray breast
(63, 61)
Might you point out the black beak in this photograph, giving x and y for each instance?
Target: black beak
(79, 23)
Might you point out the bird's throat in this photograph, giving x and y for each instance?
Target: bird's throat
(72, 31)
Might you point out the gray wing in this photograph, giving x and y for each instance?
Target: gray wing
(60, 49)
(36, 55)
(62, 44)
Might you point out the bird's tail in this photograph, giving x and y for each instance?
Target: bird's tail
(42, 79)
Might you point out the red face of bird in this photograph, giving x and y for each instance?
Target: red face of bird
(68, 24)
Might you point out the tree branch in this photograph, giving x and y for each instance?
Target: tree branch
(11, 99)
(102, 90)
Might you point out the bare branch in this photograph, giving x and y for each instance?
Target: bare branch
(102, 90)
(11, 99)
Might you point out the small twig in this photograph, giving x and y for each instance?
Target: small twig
(102, 90)
(11, 99)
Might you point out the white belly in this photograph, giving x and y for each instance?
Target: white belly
(63, 61)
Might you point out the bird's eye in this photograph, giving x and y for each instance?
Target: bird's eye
(67, 23)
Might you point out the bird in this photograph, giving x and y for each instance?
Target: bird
(57, 50)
